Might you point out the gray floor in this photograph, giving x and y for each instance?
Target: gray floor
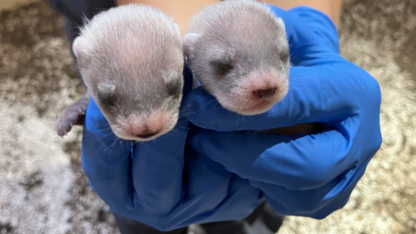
(43, 189)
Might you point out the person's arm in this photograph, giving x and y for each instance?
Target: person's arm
(182, 10)
(332, 8)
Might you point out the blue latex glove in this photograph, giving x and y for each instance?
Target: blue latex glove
(154, 183)
(305, 175)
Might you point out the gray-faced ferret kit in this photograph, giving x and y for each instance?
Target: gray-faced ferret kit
(238, 50)
(131, 60)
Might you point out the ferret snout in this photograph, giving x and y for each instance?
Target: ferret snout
(263, 85)
(145, 127)
(257, 92)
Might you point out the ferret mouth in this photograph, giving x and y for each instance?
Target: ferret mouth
(141, 137)
(256, 93)
(257, 108)
(247, 105)
(145, 127)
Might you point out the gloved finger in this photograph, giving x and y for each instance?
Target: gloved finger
(316, 94)
(158, 165)
(211, 194)
(317, 203)
(320, 24)
(241, 199)
(295, 163)
(106, 160)
(157, 169)
(311, 42)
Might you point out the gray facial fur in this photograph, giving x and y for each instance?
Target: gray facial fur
(131, 59)
(232, 40)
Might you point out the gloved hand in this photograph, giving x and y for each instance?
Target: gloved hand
(305, 175)
(151, 183)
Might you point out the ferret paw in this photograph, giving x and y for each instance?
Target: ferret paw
(70, 116)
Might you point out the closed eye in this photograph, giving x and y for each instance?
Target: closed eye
(221, 67)
(284, 56)
(174, 87)
(107, 99)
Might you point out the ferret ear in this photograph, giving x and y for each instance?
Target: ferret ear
(106, 87)
(280, 22)
(80, 47)
(178, 30)
(189, 42)
(106, 93)
(169, 76)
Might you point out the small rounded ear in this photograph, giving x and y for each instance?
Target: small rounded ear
(231, 55)
(80, 47)
(169, 76)
(106, 87)
(178, 30)
(282, 41)
(280, 22)
(106, 93)
(189, 42)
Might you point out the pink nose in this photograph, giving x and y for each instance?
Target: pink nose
(265, 93)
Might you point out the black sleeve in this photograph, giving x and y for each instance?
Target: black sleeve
(77, 10)
(74, 13)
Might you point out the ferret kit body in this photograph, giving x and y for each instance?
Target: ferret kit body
(131, 59)
(238, 50)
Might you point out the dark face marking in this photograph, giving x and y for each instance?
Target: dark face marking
(284, 56)
(108, 99)
(221, 66)
(174, 87)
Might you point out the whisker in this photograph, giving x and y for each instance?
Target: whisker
(113, 144)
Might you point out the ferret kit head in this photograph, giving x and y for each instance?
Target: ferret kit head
(239, 52)
(131, 60)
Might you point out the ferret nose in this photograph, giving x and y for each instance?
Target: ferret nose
(146, 135)
(264, 93)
